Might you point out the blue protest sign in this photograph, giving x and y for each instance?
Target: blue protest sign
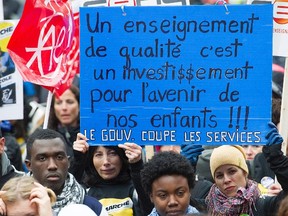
(174, 75)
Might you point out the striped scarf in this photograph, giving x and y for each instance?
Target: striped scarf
(72, 193)
(219, 204)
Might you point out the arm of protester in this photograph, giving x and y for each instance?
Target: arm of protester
(80, 150)
(277, 160)
(134, 155)
(274, 190)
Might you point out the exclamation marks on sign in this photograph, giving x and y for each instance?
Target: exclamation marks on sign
(238, 112)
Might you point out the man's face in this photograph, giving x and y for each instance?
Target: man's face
(49, 163)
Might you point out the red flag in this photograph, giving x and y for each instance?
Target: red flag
(41, 41)
(73, 57)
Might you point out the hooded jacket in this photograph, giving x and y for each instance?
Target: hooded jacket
(7, 170)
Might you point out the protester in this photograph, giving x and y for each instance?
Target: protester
(7, 171)
(192, 152)
(258, 167)
(233, 193)
(48, 163)
(199, 191)
(168, 178)
(64, 116)
(24, 196)
(251, 151)
(108, 177)
(12, 147)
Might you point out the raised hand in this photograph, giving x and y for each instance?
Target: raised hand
(80, 144)
(273, 137)
(192, 152)
(132, 151)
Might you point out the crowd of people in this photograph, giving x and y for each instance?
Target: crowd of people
(54, 172)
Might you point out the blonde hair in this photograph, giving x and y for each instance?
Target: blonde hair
(20, 188)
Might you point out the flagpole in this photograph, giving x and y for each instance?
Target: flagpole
(1, 10)
(47, 110)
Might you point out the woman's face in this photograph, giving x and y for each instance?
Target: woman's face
(252, 150)
(173, 148)
(22, 207)
(171, 195)
(229, 178)
(67, 109)
(107, 163)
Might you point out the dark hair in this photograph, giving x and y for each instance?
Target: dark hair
(42, 134)
(166, 163)
(283, 207)
(92, 177)
(276, 110)
(53, 120)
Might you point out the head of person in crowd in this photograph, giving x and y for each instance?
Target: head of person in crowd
(47, 158)
(168, 179)
(277, 80)
(48, 163)
(175, 148)
(252, 150)
(106, 164)
(230, 172)
(24, 196)
(65, 109)
(276, 111)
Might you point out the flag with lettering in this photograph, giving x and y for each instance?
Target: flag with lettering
(40, 44)
(74, 53)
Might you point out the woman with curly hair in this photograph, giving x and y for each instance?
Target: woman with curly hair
(168, 179)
